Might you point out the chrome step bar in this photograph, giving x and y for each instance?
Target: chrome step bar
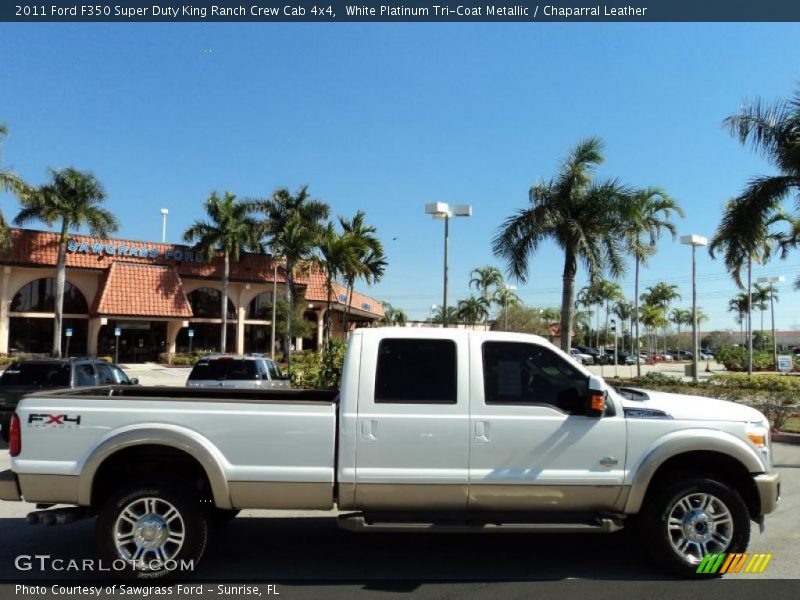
(361, 523)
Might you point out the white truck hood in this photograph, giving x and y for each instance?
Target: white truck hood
(698, 408)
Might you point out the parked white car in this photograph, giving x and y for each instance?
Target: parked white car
(584, 359)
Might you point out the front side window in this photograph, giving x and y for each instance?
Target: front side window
(119, 376)
(519, 373)
(84, 374)
(105, 375)
(416, 371)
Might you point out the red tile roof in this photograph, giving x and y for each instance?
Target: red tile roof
(134, 290)
(40, 248)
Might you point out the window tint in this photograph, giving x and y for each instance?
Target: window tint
(105, 375)
(224, 368)
(515, 373)
(274, 370)
(119, 375)
(416, 371)
(84, 374)
(36, 373)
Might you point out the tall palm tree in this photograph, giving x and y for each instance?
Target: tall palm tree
(760, 301)
(337, 254)
(773, 130)
(648, 213)
(11, 183)
(439, 314)
(505, 298)
(485, 278)
(661, 295)
(393, 316)
(739, 304)
(230, 228)
(680, 317)
(625, 312)
(371, 263)
(589, 297)
(293, 225)
(653, 318)
(578, 214)
(608, 292)
(71, 198)
(472, 310)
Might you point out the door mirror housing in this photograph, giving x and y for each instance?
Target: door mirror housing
(133, 381)
(596, 397)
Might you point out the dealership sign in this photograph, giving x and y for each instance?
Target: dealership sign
(131, 250)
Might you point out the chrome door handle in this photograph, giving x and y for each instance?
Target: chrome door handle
(608, 461)
(369, 428)
(482, 431)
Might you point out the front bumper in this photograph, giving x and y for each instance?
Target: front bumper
(9, 487)
(769, 491)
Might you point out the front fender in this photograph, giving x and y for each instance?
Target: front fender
(680, 442)
(180, 438)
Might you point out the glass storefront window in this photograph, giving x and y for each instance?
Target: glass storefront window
(35, 336)
(260, 307)
(39, 296)
(205, 303)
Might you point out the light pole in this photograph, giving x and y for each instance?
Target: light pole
(616, 355)
(164, 213)
(771, 281)
(442, 210)
(694, 241)
(274, 308)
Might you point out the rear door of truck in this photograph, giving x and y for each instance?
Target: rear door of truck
(412, 432)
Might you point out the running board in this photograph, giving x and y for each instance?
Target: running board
(358, 522)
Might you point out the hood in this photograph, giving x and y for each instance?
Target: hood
(698, 408)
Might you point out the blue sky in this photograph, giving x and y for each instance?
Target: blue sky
(387, 117)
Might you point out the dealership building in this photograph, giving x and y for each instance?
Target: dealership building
(157, 297)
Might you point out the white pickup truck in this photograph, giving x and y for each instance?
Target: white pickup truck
(432, 429)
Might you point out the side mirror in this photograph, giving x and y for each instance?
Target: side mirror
(134, 381)
(596, 397)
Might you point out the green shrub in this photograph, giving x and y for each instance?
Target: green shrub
(734, 358)
(167, 358)
(319, 370)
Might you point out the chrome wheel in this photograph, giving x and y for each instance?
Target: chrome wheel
(699, 524)
(149, 532)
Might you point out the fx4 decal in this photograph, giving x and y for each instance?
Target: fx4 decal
(46, 420)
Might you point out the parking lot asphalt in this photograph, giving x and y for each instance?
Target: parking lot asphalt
(308, 546)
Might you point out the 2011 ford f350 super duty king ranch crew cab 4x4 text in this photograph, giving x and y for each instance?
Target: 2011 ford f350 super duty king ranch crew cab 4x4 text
(433, 429)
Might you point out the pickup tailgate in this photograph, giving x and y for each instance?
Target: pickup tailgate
(274, 453)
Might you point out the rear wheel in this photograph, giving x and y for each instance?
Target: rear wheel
(148, 531)
(686, 519)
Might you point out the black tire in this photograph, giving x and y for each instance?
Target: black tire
(223, 516)
(655, 535)
(192, 524)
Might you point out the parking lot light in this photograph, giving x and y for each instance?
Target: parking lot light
(694, 241)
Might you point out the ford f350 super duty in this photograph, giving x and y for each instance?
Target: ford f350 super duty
(432, 429)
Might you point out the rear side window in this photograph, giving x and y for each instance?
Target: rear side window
(274, 371)
(224, 368)
(416, 371)
(33, 373)
(84, 374)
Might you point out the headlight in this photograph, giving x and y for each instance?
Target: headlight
(758, 435)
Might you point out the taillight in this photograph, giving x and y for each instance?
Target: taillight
(14, 436)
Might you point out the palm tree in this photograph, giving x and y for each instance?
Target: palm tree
(72, 198)
(12, 183)
(760, 301)
(578, 214)
(484, 278)
(608, 292)
(337, 254)
(230, 228)
(653, 318)
(439, 314)
(661, 295)
(473, 310)
(773, 130)
(293, 226)
(647, 215)
(625, 312)
(739, 304)
(393, 316)
(552, 315)
(679, 317)
(589, 297)
(505, 298)
(371, 262)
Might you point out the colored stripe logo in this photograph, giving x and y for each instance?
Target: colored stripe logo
(735, 563)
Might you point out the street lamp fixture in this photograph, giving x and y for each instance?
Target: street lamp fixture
(772, 281)
(694, 241)
(443, 211)
(164, 213)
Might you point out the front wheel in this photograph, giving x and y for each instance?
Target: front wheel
(148, 531)
(686, 519)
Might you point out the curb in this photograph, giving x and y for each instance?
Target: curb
(786, 438)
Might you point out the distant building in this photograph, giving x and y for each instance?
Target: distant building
(155, 294)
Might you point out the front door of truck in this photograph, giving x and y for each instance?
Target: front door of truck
(413, 423)
(532, 446)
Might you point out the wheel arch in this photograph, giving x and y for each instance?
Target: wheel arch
(713, 452)
(184, 447)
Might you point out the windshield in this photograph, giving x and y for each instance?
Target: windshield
(224, 368)
(36, 373)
